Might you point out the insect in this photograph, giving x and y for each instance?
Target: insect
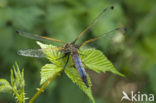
(68, 48)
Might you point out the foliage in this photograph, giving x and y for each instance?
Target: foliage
(16, 87)
(94, 59)
(49, 71)
(134, 55)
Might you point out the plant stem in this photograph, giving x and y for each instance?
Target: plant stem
(43, 87)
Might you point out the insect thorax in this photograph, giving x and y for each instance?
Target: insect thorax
(70, 48)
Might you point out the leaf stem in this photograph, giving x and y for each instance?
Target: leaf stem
(43, 87)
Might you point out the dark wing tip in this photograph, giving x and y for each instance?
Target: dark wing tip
(125, 29)
(19, 52)
(17, 31)
(112, 7)
(122, 29)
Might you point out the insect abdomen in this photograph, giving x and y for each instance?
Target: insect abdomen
(78, 64)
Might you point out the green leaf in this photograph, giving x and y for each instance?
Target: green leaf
(97, 61)
(6, 88)
(74, 76)
(18, 83)
(49, 70)
(12, 77)
(4, 82)
(17, 77)
(93, 59)
(52, 53)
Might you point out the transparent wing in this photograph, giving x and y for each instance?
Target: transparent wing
(36, 37)
(105, 35)
(103, 13)
(37, 53)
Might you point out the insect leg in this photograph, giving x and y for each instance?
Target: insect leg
(61, 57)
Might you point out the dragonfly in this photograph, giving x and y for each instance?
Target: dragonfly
(69, 49)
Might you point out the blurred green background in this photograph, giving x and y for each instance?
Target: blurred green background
(132, 53)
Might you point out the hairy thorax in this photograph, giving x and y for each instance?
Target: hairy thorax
(70, 48)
